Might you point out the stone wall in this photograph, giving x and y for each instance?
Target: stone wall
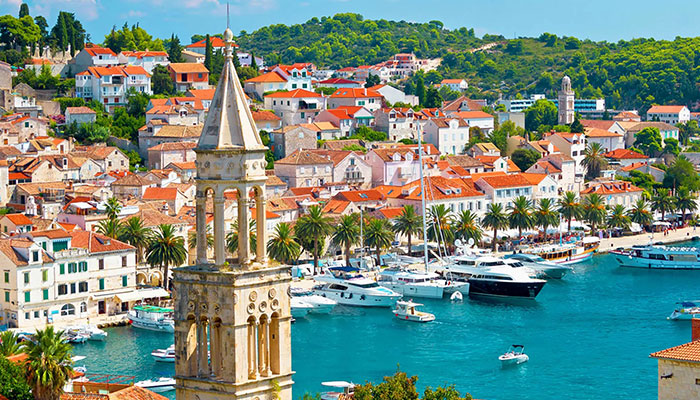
(683, 385)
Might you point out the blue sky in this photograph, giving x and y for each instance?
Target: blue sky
(595, 19)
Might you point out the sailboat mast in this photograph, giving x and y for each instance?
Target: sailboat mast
(422, 198)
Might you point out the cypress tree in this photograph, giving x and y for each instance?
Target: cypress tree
(253, 63)
(23, 10)
(208, 54)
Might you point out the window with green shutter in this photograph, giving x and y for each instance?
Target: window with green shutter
(83, 266)
(26, 277)
(102, 284)
(44, 275)
(7, 296)
(62, 269)
(60, 245)
(46, 294)
(7, 276)
(72, 268)
(27, 297)
(125, 280)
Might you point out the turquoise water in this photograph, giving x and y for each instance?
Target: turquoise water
(588, 336)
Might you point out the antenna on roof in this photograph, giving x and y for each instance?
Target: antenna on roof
(228, 21)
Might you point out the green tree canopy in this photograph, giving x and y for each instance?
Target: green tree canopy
(132, 38)
(543, 112)
(524, 158)
(649, 141)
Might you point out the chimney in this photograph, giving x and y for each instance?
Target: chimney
(695, 329)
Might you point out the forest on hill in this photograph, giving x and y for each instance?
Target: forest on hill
(630, 74)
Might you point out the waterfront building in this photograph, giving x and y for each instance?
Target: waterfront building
(679, 368)
(232, 315)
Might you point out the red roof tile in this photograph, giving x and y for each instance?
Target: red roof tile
(620, 154)
(97, 243)
(19, 219)
(685, 352)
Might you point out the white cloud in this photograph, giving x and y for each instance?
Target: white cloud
(133, 14)
(13, 3)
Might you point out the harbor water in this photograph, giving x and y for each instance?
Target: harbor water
(587, 336)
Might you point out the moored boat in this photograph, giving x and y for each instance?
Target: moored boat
(567, 253)
(320, 304)
(658, 257)
(164, 355)
(514, 356)
(542, 268)
(345, 286)
(687, 310)
(162, 384)
(299, 307)
(406, 311)
(152, 318)
(346, 393)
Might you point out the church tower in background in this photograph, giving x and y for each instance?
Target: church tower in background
(232, 315)
(566, 102)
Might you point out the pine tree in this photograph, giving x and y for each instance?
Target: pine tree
(23, 10)
(175, 49)
(253, 63)
(420, 90)
(208, 54)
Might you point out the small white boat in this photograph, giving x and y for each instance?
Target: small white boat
(75, 336)
(687, 310)
(321, 304)
(162, 384)
(406, 311)
(164, 355)
(343, 389)
(152, 318)
(299, 307)
(514, 356)
(95, 333)
(456, 296)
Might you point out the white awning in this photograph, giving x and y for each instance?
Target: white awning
(102, 296)
(142, 294)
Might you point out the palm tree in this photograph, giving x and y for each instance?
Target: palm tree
(314, 226)
(595, 210)
(111, 227)
(686, 201)
(496, 219)
(640, 214)
(8, 344)
(166, 249)
(137, 235)
(520, 216)
(593, 160)
(283, 246)
(379, 236)
(440, 225)
(467, 227)
(618, 218)
(662, 201)
(569, 208)
(113, 208)
(545, 215)
(346, 234)
(49, 364)
(192, 239)
(408, 223)
(232, 237)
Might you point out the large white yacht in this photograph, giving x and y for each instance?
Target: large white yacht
(658, 257)
(543, 269)
(417, 284)
(491, 276)
(345, 286)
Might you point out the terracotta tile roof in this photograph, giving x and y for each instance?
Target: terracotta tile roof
(183, 68)
(268, 214)
(51, 234)
(685, 352)
(156, 193)
(355, 93)
(463, 161)
(303, 157)
(173, 146)
(455, 105)
(338, 81)
(18, 176)
(611, 187)
(7, 247)
(670, 109)
(105, 71)
(445, 122)
(152, 218)
(390, 212)
(446, 81)
(96, 242)
(142, 54)
(134, 70)
(341, 144)
(548, 167)
(96, 152)
(183, 165)
(360, 196)
(19, 219)
(214, 40)
(638, 126)
(180, 131)
(170, 109)
(597, 123)
(428, 113)
(473, 114)
(273, 180)
(488, 146)
(336, 156)
(505, 181)
(270, 77)
(96, 50)
(600, 133)
(627, 115)
(620, 154)
(320, 126)
(80, 110)
(265, 115)
(294, 94)
(335, 206)
(202, 94)
(133, 180)
(533, 178)
(638, 165)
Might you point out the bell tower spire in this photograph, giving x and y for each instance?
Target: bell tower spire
(232, 312)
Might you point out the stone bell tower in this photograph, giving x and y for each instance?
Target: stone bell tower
(566, 102)
(232, 315)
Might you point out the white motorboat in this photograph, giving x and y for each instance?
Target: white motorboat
(542, 268)
(164, 355)
(96, 333)
(345, 392)
(321, 304)
(406, 311)
(567, 253)
(687, 310)
(299, 307)
(514, 356)
(457, 296)
(75, 336)
(411, 283)
(162, 384)
(346, 287)
(152, 318)
(491, 276)
(658, 257)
